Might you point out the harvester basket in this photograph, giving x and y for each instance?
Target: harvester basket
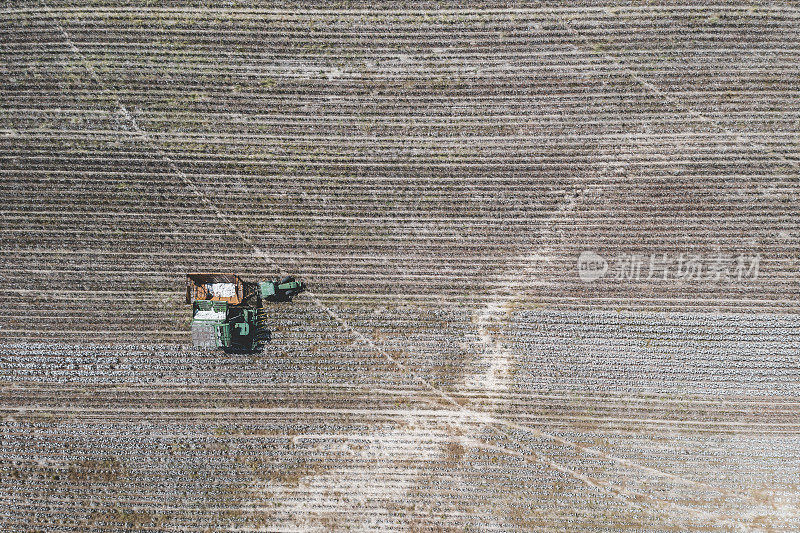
(216, 287)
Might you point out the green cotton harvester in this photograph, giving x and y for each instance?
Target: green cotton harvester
(228, 313)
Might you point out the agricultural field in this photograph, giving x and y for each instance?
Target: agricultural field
(552, 255)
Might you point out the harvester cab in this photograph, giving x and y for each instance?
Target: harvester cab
(228, 313)
(280, 291)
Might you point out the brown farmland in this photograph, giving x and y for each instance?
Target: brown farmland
(433, 172)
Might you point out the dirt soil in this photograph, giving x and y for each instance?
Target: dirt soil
(434, 172)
